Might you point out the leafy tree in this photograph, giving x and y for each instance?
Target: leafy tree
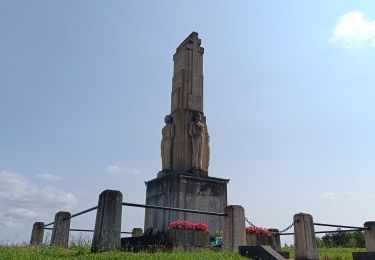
(342, 239)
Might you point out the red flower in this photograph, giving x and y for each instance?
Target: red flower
(258, 231)
(188, 225)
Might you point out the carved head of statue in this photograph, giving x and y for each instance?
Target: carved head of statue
(168, 119)
(198, 117)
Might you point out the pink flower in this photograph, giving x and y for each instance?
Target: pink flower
(188, 225)
(258, 231)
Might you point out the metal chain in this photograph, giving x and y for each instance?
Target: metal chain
(249, 222)
(287, 228)
(280, 232)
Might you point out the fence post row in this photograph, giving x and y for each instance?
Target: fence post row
(107, 232)
(37, 233)
(60, 232)
(234, 233)
(304, 237)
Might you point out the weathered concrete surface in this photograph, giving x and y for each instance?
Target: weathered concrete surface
(185, 191)
(189, 239)
(186, 102)
(60, 232)
(107, 232)
(304, 238)
(37, 234)
(137, 232)
(187, 92)
(275, 239)
(234, 233)
(370, 236)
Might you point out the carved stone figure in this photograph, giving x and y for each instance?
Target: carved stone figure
(167, 144)
(197, 133)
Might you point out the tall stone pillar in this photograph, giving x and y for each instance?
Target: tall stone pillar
(189, 144)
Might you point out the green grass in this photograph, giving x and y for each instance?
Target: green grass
(46, 252)
(83, 252)
(332, 253)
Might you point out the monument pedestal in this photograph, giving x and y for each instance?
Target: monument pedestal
(187, 191)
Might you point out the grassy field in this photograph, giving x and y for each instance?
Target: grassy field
(332, 253)
(44, 252)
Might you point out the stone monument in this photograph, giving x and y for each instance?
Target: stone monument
(183, 181)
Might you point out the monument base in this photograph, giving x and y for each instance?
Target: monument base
(187, 191)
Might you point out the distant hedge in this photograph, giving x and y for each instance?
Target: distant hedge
(342, 239)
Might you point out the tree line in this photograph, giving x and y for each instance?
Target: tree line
(342, 239)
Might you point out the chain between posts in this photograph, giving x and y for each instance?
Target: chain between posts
(249, 222)
(287, 228)
(277, 233)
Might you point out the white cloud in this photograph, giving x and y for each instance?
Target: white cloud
(48, 177)
(349, 194)
(16, 190)
(14, 218)
(8, 222)
(328, 196)
(22, 213)
(21, 201)
(353, 32)
(121, 171)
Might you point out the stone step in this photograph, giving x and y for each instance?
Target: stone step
(259, 253)
(363, 255)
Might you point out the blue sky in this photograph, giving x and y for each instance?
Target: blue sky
(289, 100)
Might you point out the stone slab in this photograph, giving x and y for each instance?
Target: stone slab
(363, 255)
(260, 253)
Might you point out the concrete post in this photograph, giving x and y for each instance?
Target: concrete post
(37, 234)
(60, 232)
(107, 232)
(370, 236)
(304, 238)
(275, 239)
(137, 232)
(234, 233)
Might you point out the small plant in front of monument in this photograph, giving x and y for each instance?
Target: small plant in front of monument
(218, 240)
(258, 231)
(187, 225)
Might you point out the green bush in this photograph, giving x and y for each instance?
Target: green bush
(342, 239)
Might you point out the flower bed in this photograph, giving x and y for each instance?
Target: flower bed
(188, 225)
(256, 236)
(188, 234)
(258, 231)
